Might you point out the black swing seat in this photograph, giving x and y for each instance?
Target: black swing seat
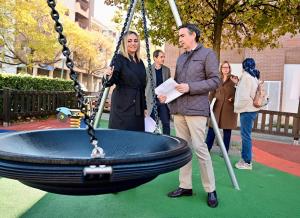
(59, 160)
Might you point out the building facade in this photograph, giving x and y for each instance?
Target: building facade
(279, 67)
(81, 12)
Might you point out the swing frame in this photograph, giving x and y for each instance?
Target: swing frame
(216, 129)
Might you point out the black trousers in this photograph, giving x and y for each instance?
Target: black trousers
(211, 137)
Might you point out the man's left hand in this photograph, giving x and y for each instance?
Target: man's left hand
(183, 87)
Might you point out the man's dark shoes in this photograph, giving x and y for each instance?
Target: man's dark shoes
(212, 199)
(180, 192)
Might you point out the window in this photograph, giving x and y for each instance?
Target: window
(273, 90)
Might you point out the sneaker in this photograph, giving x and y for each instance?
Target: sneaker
(242, 165)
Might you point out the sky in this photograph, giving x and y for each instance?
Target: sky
(104, 13)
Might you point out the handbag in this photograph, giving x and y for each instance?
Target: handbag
(260, 99)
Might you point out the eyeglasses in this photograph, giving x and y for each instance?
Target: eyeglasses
(225, 67)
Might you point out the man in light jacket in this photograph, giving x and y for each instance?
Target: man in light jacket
(196, 74)
(160, 74)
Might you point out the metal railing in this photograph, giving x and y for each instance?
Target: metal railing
(15, 103)
(278, 123)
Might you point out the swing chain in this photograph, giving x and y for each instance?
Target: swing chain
(97, 151)
(105, 78)
(157, 129)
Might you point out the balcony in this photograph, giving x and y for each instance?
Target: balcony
(82, 7)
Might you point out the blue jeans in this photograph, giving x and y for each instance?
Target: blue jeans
(247, 119)
(164, 116)
(211, 137)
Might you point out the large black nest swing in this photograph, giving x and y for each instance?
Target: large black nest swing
(60, 161)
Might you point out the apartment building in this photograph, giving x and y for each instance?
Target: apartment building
(81, 12)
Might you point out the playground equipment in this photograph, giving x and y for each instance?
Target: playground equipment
(60, 161)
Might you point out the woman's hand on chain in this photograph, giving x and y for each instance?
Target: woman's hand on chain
(109, 71)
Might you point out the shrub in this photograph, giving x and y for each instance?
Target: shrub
(27, 82)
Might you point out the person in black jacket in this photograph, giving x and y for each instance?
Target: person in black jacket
(128, 73)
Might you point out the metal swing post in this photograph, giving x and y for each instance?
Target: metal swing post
(212, 116)
(99, 113)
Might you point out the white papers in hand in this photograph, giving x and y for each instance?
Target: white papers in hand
(167, 89)
(150, 124)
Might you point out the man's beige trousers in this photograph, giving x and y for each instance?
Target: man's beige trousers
(192, 129)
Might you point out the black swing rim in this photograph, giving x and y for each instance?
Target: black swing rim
(181, 147)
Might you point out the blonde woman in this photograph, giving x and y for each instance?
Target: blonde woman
(128, 102)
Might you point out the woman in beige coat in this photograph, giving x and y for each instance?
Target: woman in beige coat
(223, 107)
(243, 105)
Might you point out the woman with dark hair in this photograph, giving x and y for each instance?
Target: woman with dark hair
(223, 107)
(245, 93)
(128, 102)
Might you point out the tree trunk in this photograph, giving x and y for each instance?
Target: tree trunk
(218, 24)
(217, 38)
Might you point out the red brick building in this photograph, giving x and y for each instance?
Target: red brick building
(279, 67)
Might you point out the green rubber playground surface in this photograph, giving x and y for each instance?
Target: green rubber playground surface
(265, 192)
